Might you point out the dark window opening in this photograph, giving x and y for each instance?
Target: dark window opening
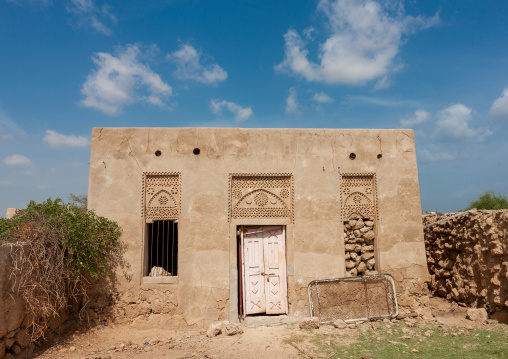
(162, 249)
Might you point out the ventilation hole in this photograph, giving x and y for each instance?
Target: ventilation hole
(379, 156)
(352, 156)
(196, 151)
(158, 153)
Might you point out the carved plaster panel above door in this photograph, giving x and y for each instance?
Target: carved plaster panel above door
(267, 195)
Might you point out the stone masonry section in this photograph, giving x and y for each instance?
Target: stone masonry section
(468, 258)
(359, 245)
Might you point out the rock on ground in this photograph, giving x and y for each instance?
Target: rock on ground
(233, 329)
(340, 324)
(309, 323)
(213, 330)
(477, 314)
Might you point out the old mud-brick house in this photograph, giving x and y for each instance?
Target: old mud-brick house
(223, 223)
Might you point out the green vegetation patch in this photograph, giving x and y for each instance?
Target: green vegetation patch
(426, 340)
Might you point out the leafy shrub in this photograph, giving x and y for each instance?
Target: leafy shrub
(58, 249)
(489, 200)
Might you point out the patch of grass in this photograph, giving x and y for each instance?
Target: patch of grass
(426, 340)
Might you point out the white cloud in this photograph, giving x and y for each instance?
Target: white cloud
(292, 105)
(321, 97)
(118, 81)
(188, 60)
(363, 42)
(8, 129)
(436, 155)
(18, 160)
(55, 139)
(382, 102)
(500, 106)
(240, 113)
(308, 32)
(453, 124)
(419, 117)
(89, 14)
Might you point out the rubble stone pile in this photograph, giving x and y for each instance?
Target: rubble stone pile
(359, 244)
(468, 258)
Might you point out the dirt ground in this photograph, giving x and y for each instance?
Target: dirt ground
(276, 341)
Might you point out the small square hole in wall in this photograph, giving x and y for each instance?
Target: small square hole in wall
(162, 247)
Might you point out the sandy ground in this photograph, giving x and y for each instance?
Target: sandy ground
(277, 341)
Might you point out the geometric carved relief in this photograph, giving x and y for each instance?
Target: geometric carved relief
(266, 195)
(161, 195)
(359, 196)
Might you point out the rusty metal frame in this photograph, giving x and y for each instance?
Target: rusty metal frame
(394, 308)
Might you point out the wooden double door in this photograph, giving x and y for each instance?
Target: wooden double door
(263, 272)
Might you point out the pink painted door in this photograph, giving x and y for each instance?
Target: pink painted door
(253, 267)
(275, 270)
(264, 264)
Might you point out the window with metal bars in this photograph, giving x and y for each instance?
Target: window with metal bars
(162, 249)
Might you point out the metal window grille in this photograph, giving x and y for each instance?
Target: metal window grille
(353, 298)
(162, 249)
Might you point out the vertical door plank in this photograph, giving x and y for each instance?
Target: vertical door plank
(253, 268)
(274, 244)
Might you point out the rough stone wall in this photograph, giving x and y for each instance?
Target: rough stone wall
(468, 258)
(13, 335)
(14, 324)
(359, 245)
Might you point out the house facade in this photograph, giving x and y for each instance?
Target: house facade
(223, 223)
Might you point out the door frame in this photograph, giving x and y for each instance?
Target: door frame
(234, 278)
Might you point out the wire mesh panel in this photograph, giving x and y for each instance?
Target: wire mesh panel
(353, 298)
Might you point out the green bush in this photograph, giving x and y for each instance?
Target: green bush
(489, 200)
(58, 252)
(89, 240)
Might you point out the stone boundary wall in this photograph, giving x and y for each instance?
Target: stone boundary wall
(13, 335)
(468, 258)
(15, 340)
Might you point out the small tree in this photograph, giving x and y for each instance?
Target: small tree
(79, 199)
(489, 200)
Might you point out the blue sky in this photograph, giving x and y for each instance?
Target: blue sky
(439, 67)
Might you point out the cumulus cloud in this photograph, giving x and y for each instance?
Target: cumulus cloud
(119, 81)
(321, 97)
(419, 117)
(18, 160)
(500, 106)
(55, 140)
(240, 113)
(364, 39)
(453, 124)
(188, 60)
(87, 13)
(292, 105)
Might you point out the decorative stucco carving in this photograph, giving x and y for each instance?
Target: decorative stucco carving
(264, 195)
(359, 196)
(161, 195)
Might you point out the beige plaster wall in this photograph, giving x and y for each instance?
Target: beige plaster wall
(205, 289)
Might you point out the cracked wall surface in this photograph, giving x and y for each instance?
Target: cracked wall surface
(206, 287)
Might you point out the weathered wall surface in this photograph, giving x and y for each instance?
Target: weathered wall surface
(468, 258)
(205, 289)
(13, 336)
